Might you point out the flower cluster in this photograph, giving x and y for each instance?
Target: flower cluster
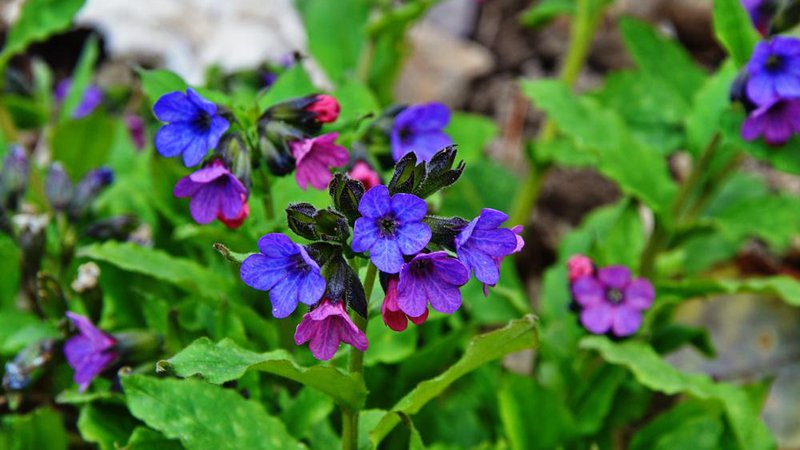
(287, 140)
(769, 89)
(423, 259)
(609, 299)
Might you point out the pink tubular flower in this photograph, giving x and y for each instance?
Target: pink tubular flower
(326, 326)
(314, 158)
(239, 220)
(326, 107)
(393, 316)
(362, 172)
(579, 266)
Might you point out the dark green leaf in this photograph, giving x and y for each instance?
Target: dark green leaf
(147, 439)
(109, 426)
(691, 424)
(40, 430)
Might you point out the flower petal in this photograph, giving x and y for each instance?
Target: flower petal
(408, 207)
(284, 295)
(386, 255)
(171, 140)
(263, 273)
(626, 321)
(174, 107)
(312, 288)
(598, 318)
(277, 245)
(375, 203)
(365, 234)
(413, 237)
(204, 205)
(587, 291)
(614, 276)
(639, 294)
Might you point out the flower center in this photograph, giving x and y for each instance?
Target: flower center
(774, 63)
(388, 226)
(421, 267)
(614, 295)
(202, 121)
(299, 264)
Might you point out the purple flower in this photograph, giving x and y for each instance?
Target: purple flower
(612, 301)
(391, 313)
(419, 129)
(433, 277)
(326, 326)
(390, 227)
(314, 158)
(761, 12)
(90, 352)
(775, 121)
(482, 242)
(194, 126)
(498, 260)
(92, 97)
(285, 270)
(136, 129)
(774, 70)
(215, 191)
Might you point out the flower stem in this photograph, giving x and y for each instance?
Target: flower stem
(356, 367)
(266, 187)
(584, 27)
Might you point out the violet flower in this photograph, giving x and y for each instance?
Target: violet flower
(774, 70)
(285, 270)
(194, 126)
(390, 227)
(420, 129)
(327, 325)
(498, 260)
(89, 352)
(314, 158)
(215, 192)
(611, 301)
(434, 277)
(92, 97)
(482, 242)
(391, 313)
(775, 121)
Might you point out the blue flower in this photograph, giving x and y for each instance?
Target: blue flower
(285, 270)
(774, 70)
(419, 129)
(193, 126)
(390, 227)
(482, 242)
(431, 277)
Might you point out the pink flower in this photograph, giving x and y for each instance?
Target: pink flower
(239, 220)
(326, 108)
(393, 317)
(314, 158)
(364, 173)
(326, 326)
(579, 266)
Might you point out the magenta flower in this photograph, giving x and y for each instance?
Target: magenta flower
(327, 325)
(482, 242)
(761, 12)
(364, 173)
(612, 301)
(391, 313)
(775, 121)
(315, 157)
(390, 227)
(135, 126)
(215, 192)
(285, 270)
(579, 266)
(325, 107)
(434, 277)
(89, 352)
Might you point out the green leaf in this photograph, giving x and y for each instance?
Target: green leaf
(19, 329)
(295, 82)
(80, 80)
(639, 170)
(734, 30)
(204, 416)
(387, 346)
(37, 20)
(109, 426)
(691, 424)
(782, 286)
(9, 266)
(336, 48)
(146, 439)
(656, 374)
(225, 361)
(517, 335)
(662, 58)
(83, 144)
(710, 101)
(158, 264)
(540, 13)
(533, 417)
(595, 398)
(309, 409)
(40, 430)
(356, 100)
(472, 133)
(156, 83)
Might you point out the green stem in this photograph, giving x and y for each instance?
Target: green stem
(356, 368)
(583, 30)
(269, 209)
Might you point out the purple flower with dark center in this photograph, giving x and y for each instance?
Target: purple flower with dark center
(285, 270)
(774, 70)
(775, 121)
(92, 97)
(612, 301)
(215, 191)
(761, 12)
(326, 326)
(390, 227)
(194, 126)
(482, 242)
(89, 352)
(420, 129)
(434, 277)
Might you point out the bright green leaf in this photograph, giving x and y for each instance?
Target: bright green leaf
(295, 82)
(734, 30)
(533, 417)
(472, 133)
(83, 144)
(37, 20)
(156, 83)
(691, 424)
(336, 48)
(542, 12)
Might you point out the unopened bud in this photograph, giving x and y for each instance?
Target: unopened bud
(118, 228)
(58, 187)
(14, 176)
(88, 189)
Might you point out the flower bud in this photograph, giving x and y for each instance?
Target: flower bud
(346, 194)
(136, 346)
(274, 138)
(14, 176)
(325, 107)
(234, 153)
(88, 189)
(58, 187)
(364, 173)
(738, 92)
(579, 266)
(445, 229)
(117, 228)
